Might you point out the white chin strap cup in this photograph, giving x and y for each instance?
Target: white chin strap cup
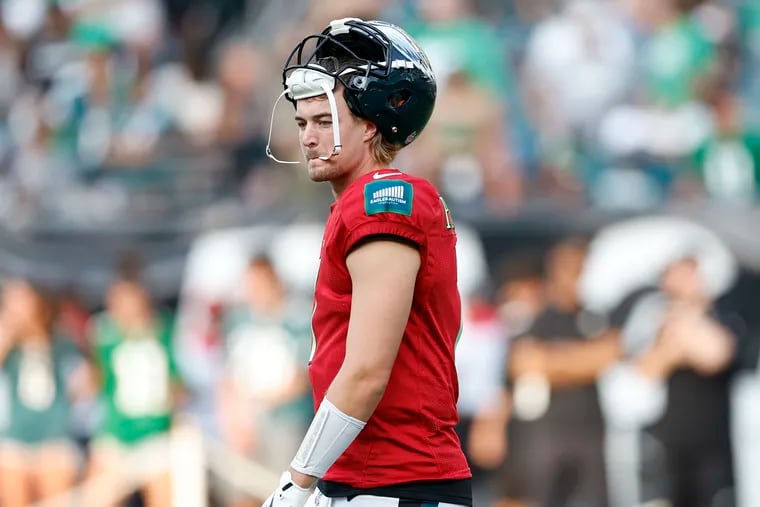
(305, 83)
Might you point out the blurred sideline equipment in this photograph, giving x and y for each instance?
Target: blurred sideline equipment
(632, 254)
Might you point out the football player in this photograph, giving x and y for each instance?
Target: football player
(386, 306)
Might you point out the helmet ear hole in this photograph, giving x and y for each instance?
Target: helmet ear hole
(399, 98)
(330, 63)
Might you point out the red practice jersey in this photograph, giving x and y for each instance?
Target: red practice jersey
(410, 436)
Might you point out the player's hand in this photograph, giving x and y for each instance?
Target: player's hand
(288, 494)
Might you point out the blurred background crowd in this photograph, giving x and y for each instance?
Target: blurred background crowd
(601, 159)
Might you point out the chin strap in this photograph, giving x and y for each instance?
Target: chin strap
(335, 124)
(305, 83)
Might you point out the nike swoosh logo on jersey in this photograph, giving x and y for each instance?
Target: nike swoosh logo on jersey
(385, 175)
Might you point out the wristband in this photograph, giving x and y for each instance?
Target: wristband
(330, 434)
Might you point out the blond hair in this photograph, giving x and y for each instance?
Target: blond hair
(382, 151)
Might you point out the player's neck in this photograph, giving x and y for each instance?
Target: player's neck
(367, 166)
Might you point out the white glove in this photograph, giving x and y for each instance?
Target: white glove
(289, 494)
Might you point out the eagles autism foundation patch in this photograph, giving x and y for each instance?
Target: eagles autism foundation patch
(388, 196)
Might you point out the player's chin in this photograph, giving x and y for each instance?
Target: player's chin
(319, 170)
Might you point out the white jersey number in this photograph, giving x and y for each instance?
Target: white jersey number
(36, 384)
(141, 368)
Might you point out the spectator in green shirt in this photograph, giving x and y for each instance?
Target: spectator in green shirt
(132, 344)
(264, 403)
(454, 39)
(728, 163)
(679, 59)
(43, 372)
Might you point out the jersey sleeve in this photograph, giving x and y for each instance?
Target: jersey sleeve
(395, 207)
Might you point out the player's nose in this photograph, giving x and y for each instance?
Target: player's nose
(309, 136)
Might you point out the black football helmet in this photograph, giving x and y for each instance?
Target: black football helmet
(386, 77)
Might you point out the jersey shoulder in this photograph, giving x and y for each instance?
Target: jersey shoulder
(389, 196)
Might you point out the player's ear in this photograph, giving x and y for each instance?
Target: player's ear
(370, 129)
